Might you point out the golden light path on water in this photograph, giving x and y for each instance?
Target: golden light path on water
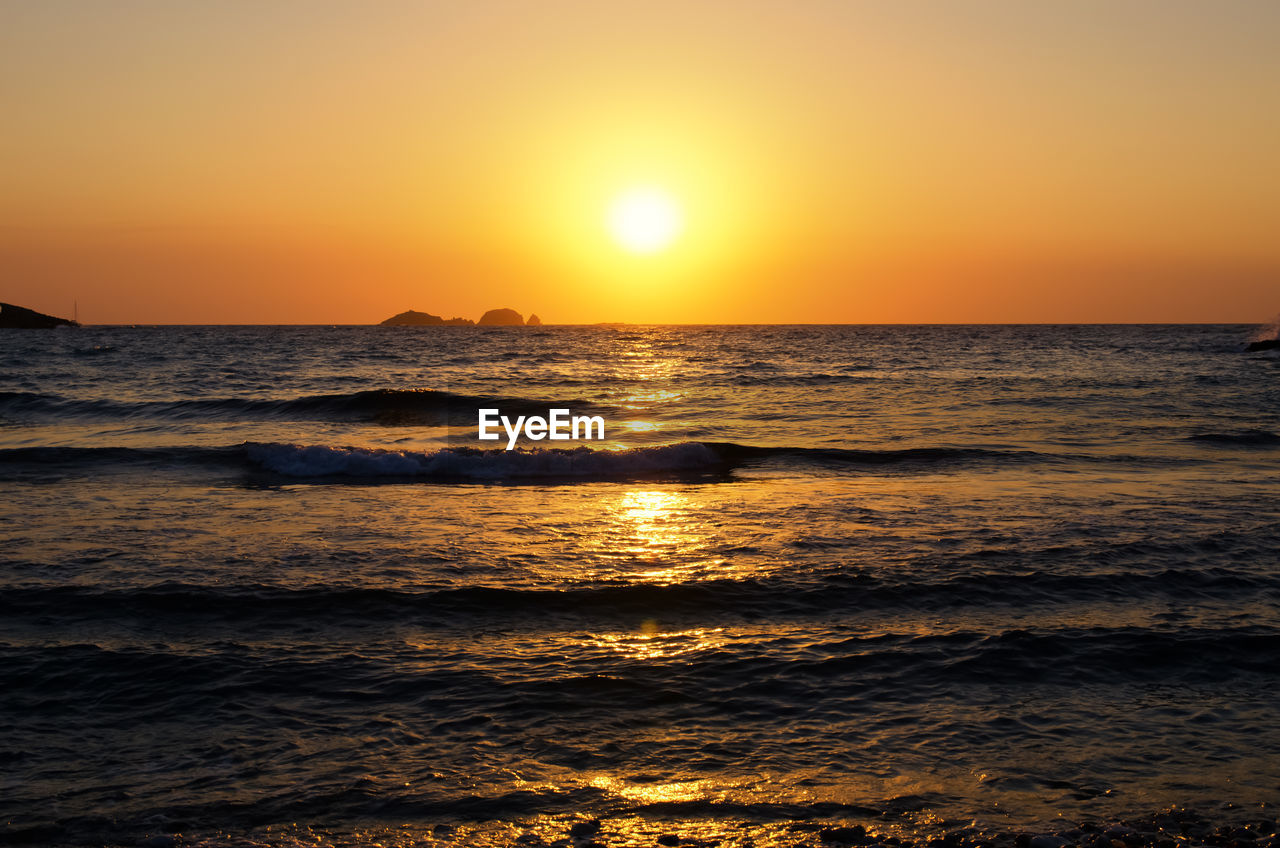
(642, 362)
(653, 643)
(653, 536)
(542, 832)
(668, 536)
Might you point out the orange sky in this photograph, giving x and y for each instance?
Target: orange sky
(319, 162)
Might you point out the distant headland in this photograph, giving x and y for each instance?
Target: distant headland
(492, 318)
(21, 318)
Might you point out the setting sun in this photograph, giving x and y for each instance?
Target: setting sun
(645, 220)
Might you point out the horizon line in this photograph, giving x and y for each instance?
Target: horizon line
(703, 324)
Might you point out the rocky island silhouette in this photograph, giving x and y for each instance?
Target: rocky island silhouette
(21, 318)
(493, 318)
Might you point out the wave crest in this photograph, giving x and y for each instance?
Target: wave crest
(469, 463)
(1245, 438)
(326, 461)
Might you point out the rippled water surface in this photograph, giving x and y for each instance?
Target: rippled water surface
(261, 585)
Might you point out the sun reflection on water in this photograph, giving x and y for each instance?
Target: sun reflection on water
(654, 536)
(666, 792)
(652, 644)
(649, 397)
(641, 362)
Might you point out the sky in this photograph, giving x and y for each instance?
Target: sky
(954, 161)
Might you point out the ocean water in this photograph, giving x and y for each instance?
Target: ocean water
(260, 585)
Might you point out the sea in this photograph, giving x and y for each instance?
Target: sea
(264, 586)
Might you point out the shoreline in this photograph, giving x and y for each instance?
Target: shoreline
(1174, 827)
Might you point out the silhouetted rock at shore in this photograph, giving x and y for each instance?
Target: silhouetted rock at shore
(411, 318)
(17, 317)
(501, 318)
(534, 321)
(1264, 344)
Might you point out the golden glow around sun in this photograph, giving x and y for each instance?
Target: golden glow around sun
(645, 220)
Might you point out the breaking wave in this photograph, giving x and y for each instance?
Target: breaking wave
(1244, 438)
(326, 461)
(466, 463)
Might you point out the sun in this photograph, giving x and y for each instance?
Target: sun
(645, 220)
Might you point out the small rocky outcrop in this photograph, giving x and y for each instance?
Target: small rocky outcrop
(501, 318)
(534, 321)
(413, 318)
(21, 318)
(1263, 344)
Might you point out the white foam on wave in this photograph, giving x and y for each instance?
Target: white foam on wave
(328, 461)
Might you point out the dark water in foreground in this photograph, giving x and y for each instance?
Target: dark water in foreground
(257, 587)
